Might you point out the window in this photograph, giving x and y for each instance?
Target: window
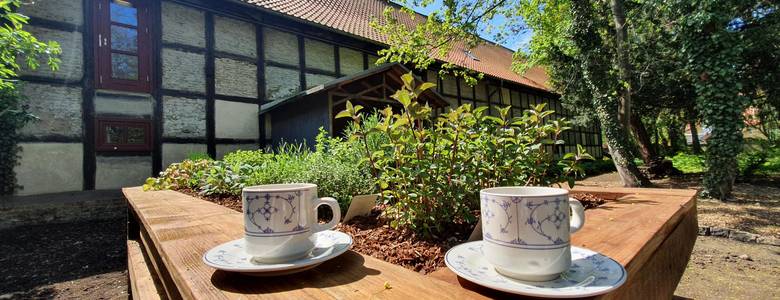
(123, 49)
(123, 135)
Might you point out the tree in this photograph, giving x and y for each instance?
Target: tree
(579, 60)
(17, 48)
(717, 39)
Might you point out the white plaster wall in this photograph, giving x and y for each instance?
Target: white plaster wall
(68, 11)
(183, 25)
(57, 107)
(351, 61)
(481, 91)
(449, 86)
(113, 172)
(71, 59)
(236, 120)
(235, 78)
(234, 36)
(319, 55)
(184, 117)
(505, 96)
(184, 71)
(174, 153)
(317, 79)
(281, 83)
(372, 60)
(137, 105)
(225, 149)
(281, 47)
(50, 168)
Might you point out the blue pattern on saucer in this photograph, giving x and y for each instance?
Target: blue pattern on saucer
(591, 274)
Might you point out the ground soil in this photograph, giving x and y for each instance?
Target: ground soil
(64, 261)
(87, 260)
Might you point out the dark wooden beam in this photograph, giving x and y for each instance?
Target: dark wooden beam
(157, 115)
(88, 96)
(211, 145)
(259, 42)
(302, 61)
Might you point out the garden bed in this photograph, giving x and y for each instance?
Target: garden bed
(373, 235)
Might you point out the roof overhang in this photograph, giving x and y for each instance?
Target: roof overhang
(391, 79)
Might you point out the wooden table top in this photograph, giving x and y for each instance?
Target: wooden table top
(182, 228)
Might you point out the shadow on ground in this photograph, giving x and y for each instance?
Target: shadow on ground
(52, 260)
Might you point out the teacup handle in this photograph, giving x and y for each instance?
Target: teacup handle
(334, 206)
(577, 216)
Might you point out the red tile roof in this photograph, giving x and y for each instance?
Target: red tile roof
(353, 17)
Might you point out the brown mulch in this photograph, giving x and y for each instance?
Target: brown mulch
(229, 201)
(588, 200)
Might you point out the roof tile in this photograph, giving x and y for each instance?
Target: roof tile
(353, 17)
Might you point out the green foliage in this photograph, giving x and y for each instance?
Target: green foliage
(198, 156)
(596, 167)
(689, 163)
(17, 45)
(334, 166)
(431, 169)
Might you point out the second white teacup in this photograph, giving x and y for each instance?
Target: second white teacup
(526, 230)
(280, 220)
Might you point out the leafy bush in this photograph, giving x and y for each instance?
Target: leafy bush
(597, 167)
(431, 169)
(689, 163)
(198, 156)
(184, 175)
(334, 166)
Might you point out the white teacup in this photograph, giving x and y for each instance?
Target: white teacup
(526, 230)
(280, 220)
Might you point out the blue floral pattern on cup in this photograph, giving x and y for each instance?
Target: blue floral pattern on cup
(547, 218)
(262, 211)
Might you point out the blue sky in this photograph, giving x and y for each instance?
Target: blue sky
(514, 43)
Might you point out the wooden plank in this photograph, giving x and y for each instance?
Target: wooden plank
(630, 229)
(658, 277)
(143, 283)
(182, 228)
(160, 271)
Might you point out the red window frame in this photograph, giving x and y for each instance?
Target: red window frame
(103, 49)
(102, 145)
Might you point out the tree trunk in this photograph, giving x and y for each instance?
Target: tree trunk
(646, 148)
(595, 71)
(674, 138)
(623, 65)
(695, 138)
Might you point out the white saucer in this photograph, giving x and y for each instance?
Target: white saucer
(590, 274)
(231, 256)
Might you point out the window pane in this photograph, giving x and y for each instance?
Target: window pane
(123, 12)
(113, 135)
(136, 136)
(124, 66)
(123, 38)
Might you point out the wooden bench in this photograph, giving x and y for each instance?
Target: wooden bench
(650, 231)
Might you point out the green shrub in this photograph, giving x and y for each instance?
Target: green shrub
(597, 167)
(689, 163)
(184, 175)
(430, 170)
(334, 166)
(198, 156)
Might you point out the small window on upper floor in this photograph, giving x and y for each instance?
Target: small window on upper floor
(123, 45)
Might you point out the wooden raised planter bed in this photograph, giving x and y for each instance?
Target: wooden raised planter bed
(651, 232)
